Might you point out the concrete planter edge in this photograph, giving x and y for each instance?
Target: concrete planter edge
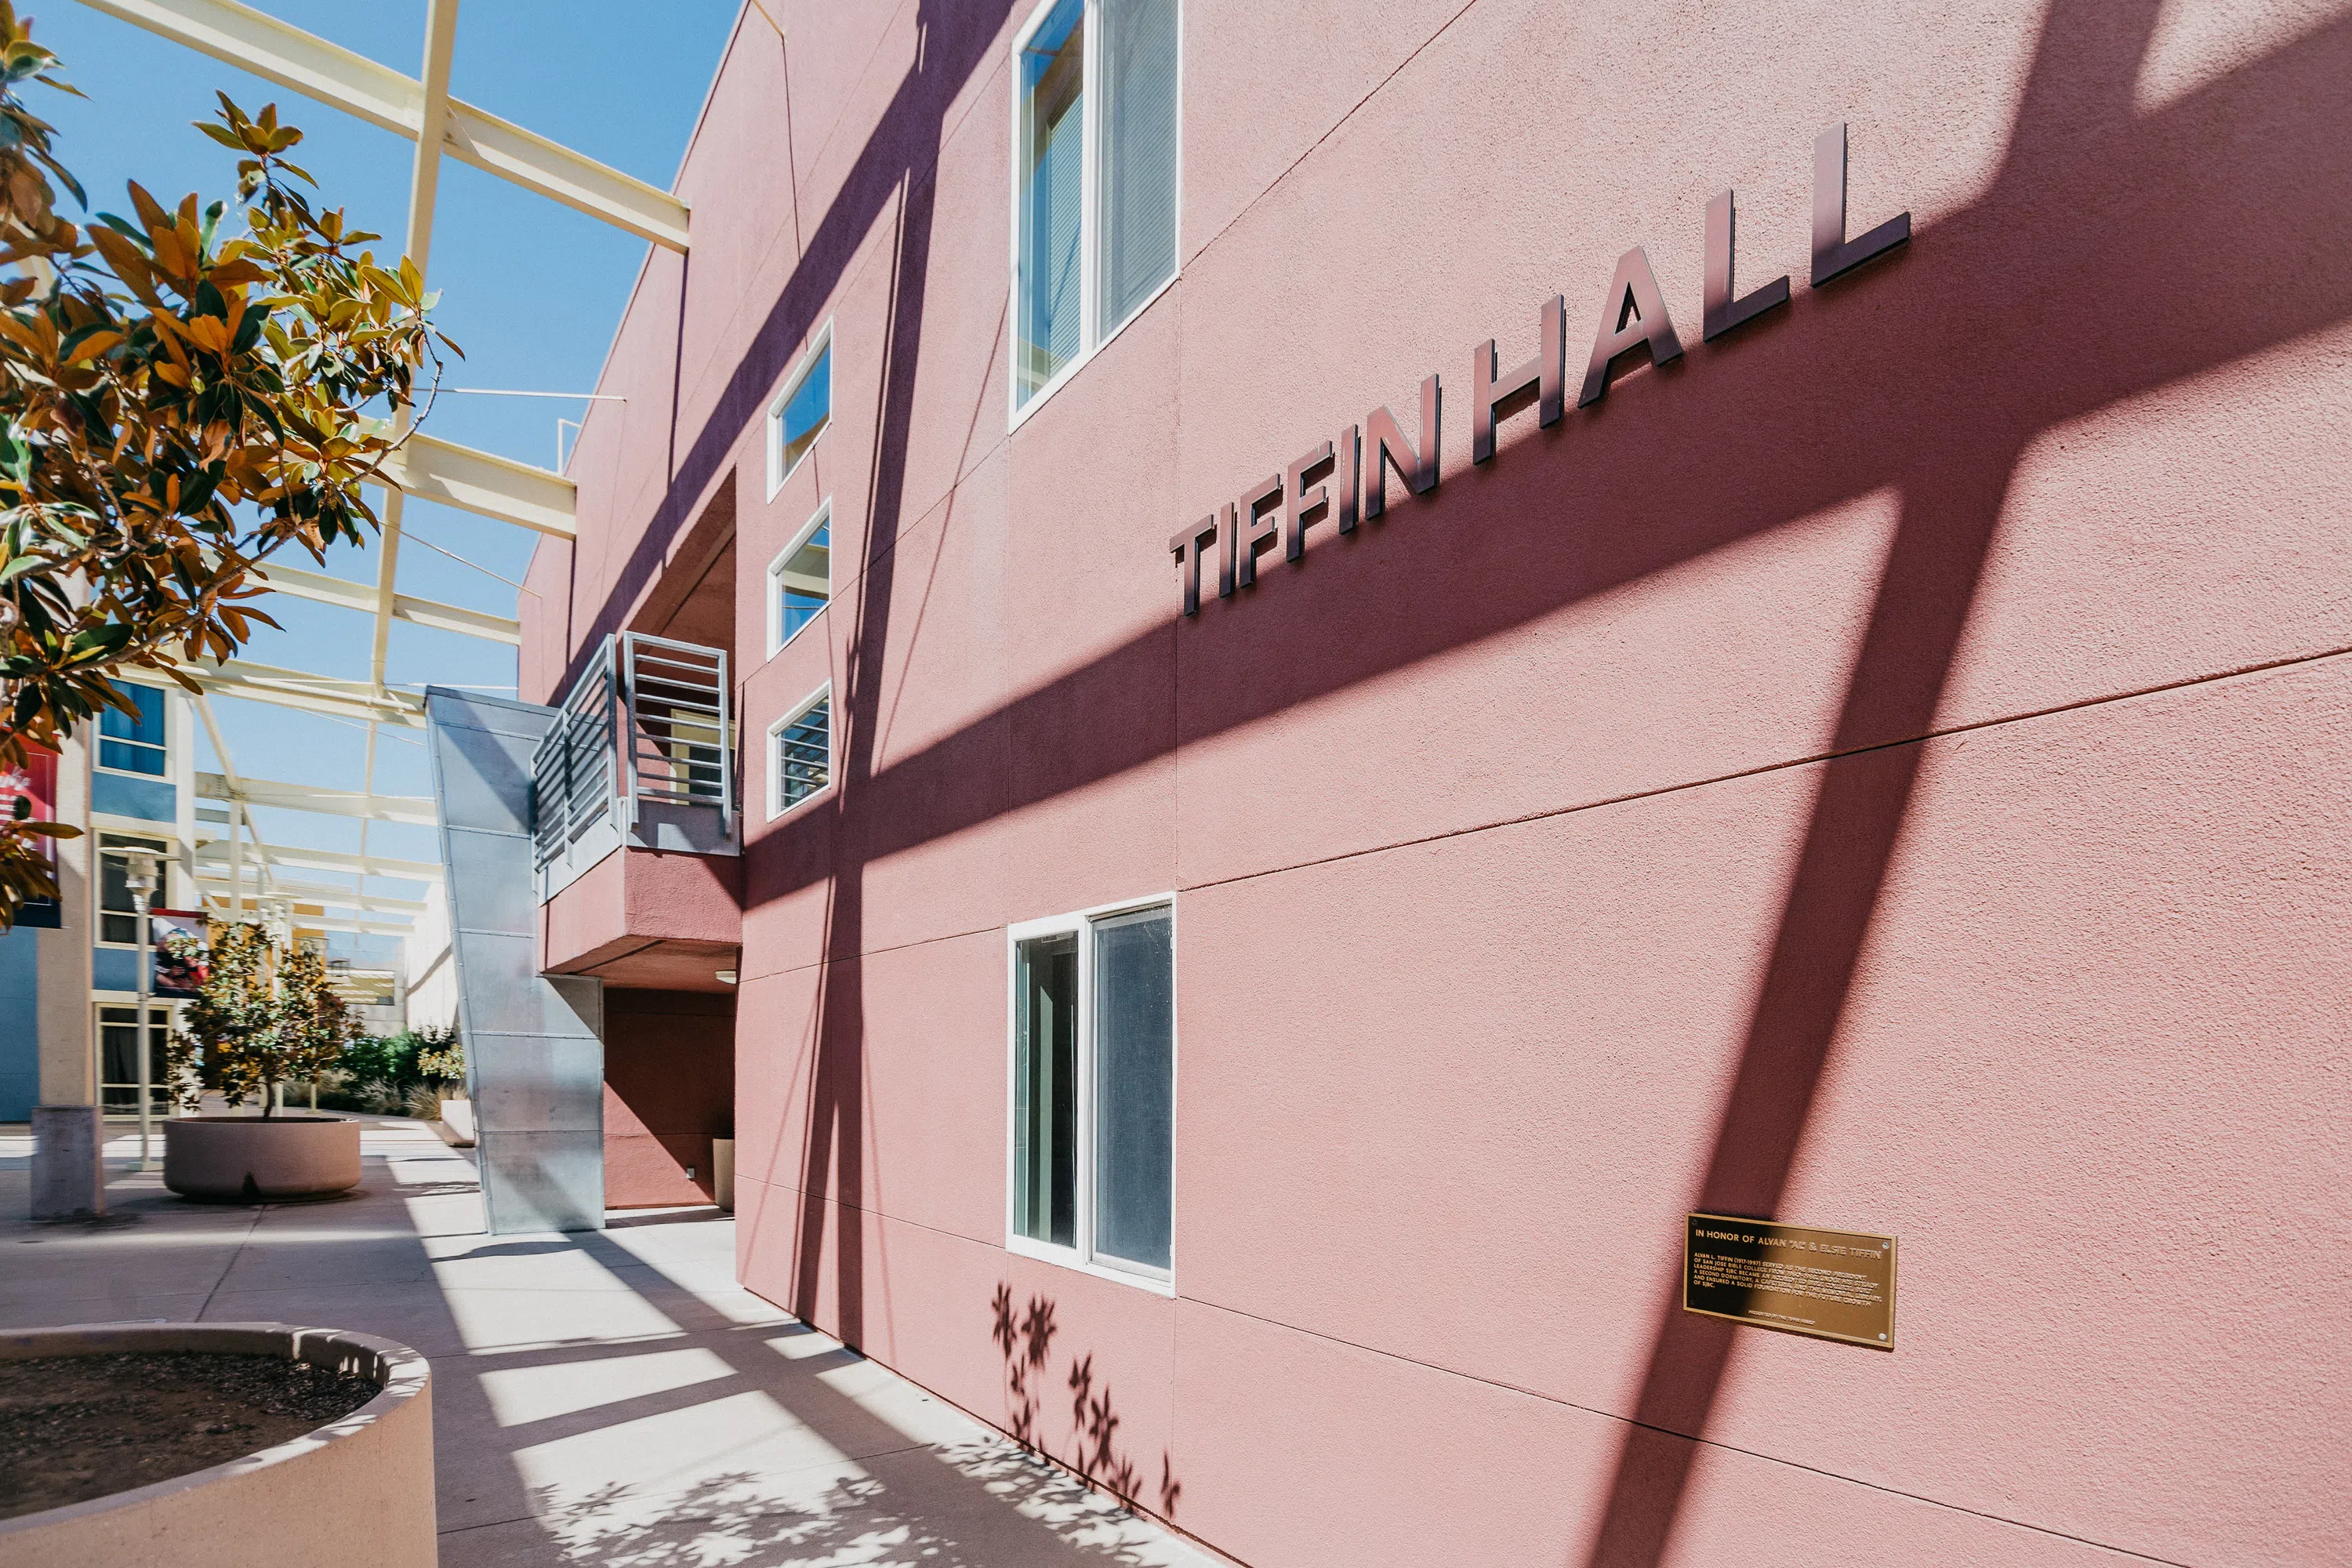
(366, 1478)
(250, 1159)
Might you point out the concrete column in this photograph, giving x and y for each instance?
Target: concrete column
(69, 1173)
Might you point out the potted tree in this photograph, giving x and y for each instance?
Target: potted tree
(263, 1016)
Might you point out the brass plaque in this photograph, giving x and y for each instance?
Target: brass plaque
(1834, 1284)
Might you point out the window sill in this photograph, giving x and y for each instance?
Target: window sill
(778, 647)
(801, 804)
(1065, 1258)
(1068, 372)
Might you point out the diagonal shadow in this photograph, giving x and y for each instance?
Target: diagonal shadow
(2022, 311)
(953, 41)
(833, 1174)
(2115, 251)
(2081, 85)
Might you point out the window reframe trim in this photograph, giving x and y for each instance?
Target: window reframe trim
(1083, 1256)
(166, 853)
(776, 809)
(1092, 338)
(818, 519)
(778, 475)
(99, 739)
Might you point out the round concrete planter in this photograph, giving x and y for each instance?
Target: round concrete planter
(359, 1490)
(232, 1158)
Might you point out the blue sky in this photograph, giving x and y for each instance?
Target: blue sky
(530, 290)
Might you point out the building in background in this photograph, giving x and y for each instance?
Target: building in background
(68, 973)
(1257, 698)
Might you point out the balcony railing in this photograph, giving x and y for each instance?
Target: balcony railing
(641, 754)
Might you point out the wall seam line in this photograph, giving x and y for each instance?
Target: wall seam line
(1688, 1437)
(1999, 721)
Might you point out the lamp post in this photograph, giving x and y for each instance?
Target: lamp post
(277, 917)
(139, 877)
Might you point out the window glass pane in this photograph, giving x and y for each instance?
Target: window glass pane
(803, 582)
(133, 742)
(1138, 165)
(807, 410)
(804, 755)
(1045, 1090)
(1053, 70)
(116, 921)
(1135, 1081)
(118, 1039)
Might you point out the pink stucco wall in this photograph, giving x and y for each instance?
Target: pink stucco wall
(1888, 769)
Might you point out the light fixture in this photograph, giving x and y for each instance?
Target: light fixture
(726, 976)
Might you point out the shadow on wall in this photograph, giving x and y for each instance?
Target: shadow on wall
(1024, 1339)
(2080, 278)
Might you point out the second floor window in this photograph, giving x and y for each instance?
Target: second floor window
(133, 742)
(801, 753)
(801, 415)
(117, 916)
(800, 581)
(1095, 175)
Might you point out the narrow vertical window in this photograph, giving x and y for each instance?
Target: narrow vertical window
(1093, 1091)
(1135, 1082)
(800, 580)
(133, 742)
(1045, 1090)
(801, 748)
(801, 415)
(1095, 177)
(1052, 153)
(1137, 171)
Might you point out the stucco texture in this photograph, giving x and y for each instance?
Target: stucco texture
(1885, 770)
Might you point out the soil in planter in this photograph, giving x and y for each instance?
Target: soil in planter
(80, 1427)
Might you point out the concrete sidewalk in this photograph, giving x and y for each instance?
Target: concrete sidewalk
(609, 1398)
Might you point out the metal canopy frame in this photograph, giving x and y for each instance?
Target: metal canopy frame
(483, 483)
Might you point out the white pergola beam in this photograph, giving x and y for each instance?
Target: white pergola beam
(351, 925)
(320, 588)
(413, 809)
(382, 97)
(357, 699)
(332, 897)
(215, 851)
(484, 484)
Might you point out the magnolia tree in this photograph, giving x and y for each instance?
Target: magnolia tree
(262, 1016)
(183, 394)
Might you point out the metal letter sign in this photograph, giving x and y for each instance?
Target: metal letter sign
(1346, 479)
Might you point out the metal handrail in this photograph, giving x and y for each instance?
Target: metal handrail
(649, 721)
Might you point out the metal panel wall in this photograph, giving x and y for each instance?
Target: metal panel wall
(534, 1043)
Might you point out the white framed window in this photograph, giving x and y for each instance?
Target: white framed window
(799, 753)
(118, 1059)
(801, 411)
(118, 917)
(1096, 113)
(1091, 1162)
(800, 579)
(134, 743)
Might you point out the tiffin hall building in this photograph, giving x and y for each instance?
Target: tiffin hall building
(1482, 784)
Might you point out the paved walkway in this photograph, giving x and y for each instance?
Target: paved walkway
(609, 1398)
